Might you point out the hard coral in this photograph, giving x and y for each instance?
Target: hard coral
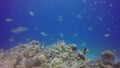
(58, 55)
(108, 57)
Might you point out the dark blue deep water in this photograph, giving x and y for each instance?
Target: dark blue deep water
(94, 24)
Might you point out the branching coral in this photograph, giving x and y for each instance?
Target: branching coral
(58, 55)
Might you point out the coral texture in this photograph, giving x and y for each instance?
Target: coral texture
(57, 55)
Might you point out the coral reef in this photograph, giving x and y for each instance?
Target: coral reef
(57, 55)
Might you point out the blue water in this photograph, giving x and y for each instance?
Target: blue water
(92, 22)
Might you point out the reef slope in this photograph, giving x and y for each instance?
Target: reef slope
(58, 55)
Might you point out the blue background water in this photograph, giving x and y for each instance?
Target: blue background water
(89, 20)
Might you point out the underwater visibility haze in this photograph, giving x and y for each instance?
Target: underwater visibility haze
(92, 24)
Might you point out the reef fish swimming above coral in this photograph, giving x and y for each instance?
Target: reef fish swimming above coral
(90, 30)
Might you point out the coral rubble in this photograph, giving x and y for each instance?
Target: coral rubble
(58, 55)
